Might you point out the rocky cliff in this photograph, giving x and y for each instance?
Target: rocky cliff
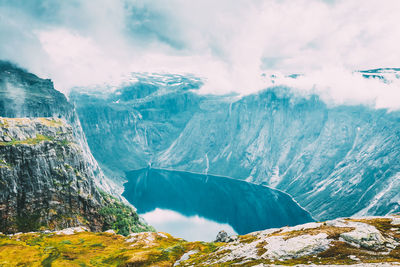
(335, 160)
(46, 183)
(49, 178)
(136, 121)
(23, 94)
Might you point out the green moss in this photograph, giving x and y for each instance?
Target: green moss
(53, 255)
(4, 164)
(120, 217)
(246, 239)
(67, 166)
(30, 141)
(64, 142)
(116, 260)
(176, 250)
(51, 122)
(35, 241)
(26, 222)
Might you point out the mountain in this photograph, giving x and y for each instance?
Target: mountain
(342, 242)
(387, 75)
(24, 95)
(48, 177)
(134, 122)
(335, 160)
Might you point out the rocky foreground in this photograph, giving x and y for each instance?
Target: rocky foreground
(372, 241)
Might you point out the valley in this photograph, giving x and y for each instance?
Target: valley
(263, 167)
(334, 160)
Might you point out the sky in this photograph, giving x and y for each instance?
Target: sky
(228, 43)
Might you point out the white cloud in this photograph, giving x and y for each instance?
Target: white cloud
(82, 61)
(339, 86)
(229, 43)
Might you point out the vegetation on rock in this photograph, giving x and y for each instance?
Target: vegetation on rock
(121, 217)
(374, 240)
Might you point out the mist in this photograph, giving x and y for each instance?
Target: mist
(230, 45)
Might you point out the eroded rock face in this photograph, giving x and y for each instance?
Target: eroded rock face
(45, 179)
(24, 95)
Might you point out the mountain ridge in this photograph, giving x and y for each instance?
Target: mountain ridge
(294, 143)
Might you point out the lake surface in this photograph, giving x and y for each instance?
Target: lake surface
(191, 228)
(196, 206)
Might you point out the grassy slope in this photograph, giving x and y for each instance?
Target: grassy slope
(94, 249)
(160, 249)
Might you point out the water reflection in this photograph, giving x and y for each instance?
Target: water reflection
(192, 228)
(245, 207)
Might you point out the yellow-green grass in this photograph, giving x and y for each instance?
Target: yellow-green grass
(95, 249)
(29, 141)
(161, 249)
(50, 122)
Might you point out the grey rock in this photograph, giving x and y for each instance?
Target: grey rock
(46, 180)
(222, 236)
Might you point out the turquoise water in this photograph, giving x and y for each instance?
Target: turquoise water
(196, 206)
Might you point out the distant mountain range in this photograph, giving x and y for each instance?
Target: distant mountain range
(335, 161)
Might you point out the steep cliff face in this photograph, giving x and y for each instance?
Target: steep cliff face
(126, 129)
(46, 183)
(334, 160)
(48, 176)
(23, 94)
